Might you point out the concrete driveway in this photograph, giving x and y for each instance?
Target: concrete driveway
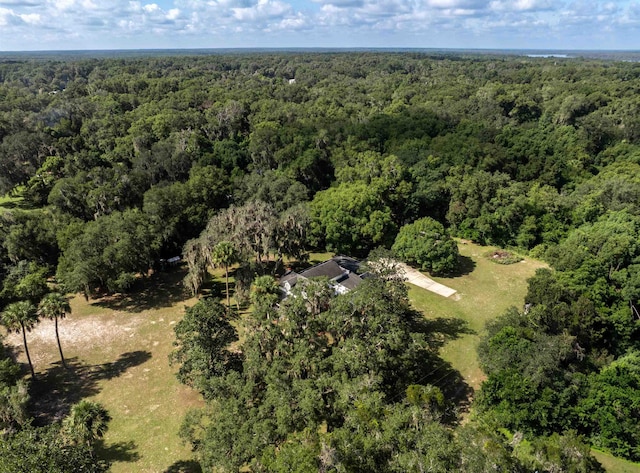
(417, 278)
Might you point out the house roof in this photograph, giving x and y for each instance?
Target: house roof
(350, 281)
(329, 269)
(291, 277)
(340, 270)
(347, 262)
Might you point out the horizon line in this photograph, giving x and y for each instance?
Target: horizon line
(311, 48)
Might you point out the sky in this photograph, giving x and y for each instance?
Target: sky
(160, 24)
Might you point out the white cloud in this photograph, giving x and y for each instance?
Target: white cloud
(8, 17)
(523, 5)
(202, 23)
(457, 4)
(341, 3)
(63, 4)
(263, 10)
(151, 8)
(20, 3)
(31, 18)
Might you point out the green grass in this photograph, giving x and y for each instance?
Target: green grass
(118, 352)
(485, 291)
(120, 347)
(615, 465)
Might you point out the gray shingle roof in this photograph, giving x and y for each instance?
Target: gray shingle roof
(340, 270)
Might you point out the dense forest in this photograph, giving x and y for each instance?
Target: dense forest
(252, 160)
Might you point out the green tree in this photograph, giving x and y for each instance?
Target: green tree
(21, 317)
(55, 306)
(107, 253)
(426, 243)
(351, 219)
(44, 450)
(609, 410)
(202, 344)
(265, 291)
(292, 233)
(567, 452)
(13, 392)
(86, 423)
(25, 281)
(31, 236)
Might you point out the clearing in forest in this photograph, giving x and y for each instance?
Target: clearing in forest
(485, 290)
(117, 348)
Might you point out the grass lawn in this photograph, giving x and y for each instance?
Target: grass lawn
(118, 350)
(485, 290)
(615, 465)
(118, 347)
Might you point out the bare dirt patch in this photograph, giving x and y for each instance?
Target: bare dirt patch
(77, 334)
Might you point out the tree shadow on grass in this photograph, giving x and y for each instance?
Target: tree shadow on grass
(184, 466)
(434, 370)
(161, 289)
(122, 452)
(125, 361)
(215, 288)
(452, 384)
(54, 391)
(465, 266)
(444, 329)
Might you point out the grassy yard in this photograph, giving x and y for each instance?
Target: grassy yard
(9, 202)
(615, 465)
(485, 291)
(118, 350)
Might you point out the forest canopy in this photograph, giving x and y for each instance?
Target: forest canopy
(111, 166)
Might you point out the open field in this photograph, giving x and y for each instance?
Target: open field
(117, 348)
(485, 291)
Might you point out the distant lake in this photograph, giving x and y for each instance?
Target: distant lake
(549, 55)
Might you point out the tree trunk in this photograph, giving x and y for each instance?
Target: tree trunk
(226, 273)
(26, 350)
(64, 363)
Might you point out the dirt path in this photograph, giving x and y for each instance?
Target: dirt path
(418, 279)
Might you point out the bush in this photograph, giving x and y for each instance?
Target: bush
(503, 257)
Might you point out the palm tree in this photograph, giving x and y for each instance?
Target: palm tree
(224, 254)
(55, 306)
(87, 422)
(21, 317)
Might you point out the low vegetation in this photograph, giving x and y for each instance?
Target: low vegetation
(483, 291)
(503, 257)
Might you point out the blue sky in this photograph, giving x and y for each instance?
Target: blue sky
(125, 24)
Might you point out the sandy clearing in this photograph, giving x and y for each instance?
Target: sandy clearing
(76, 334)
